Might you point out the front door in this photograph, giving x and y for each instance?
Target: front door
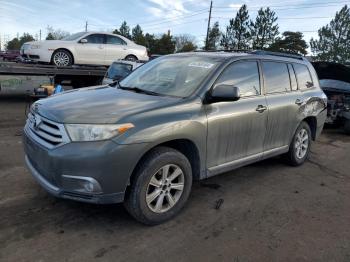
(236, 130)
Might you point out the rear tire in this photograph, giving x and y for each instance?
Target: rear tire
(161, 186)
(62, 58)
(131, 58)
(300, 146)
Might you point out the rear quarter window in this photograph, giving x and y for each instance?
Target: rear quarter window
(303, 76)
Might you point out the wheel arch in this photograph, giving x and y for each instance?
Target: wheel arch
(131, 55)
(65, 49)
(184, 146)
(312, 122)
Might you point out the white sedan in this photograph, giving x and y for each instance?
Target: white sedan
(88, 48)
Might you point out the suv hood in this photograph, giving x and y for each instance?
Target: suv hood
(98, 105)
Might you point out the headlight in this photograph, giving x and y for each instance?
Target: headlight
(34, 46)
(82, 132)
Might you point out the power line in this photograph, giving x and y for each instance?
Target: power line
(299, 6)
(278, 9)
(284, 18)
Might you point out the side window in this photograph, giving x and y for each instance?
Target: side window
(244, 75)
(276, 77)
(95, 39)
(303, 76)
(293, 80)
(115, 40)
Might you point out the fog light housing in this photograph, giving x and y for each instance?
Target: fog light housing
(81, 184)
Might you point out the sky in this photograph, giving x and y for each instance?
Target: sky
(156, 16)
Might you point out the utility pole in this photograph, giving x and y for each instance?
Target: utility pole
(40, 35)
(206, 41)
(86, 24)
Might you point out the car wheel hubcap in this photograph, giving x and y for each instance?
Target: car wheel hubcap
(165, 188)
(61, 59)
(301, 143)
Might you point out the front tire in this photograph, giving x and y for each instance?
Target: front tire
(161, 186)
(62, 58)
(300, 146)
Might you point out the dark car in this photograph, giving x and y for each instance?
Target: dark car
(335, 82)
(11, 55)
(177, 118)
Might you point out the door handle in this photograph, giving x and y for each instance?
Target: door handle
(261, 108)
(299, 102)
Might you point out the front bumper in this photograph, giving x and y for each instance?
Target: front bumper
(37, 54)
(106, 162)
(61, 193)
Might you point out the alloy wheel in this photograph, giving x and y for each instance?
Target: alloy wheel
(301, 143)
(165, 188)
(61, 59)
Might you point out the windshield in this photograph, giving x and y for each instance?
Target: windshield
(118, 70)
(73, 36)
(171, 75)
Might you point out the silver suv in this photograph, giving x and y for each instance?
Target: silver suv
(176, 119)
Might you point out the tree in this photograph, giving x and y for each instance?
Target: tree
(291, 42)
(123, 30)
(213, 37)
(237, 33)
(165, 45)
(265, 29)
(50, 37)
(16, 43)
(184, 40)
(55, 34)
(150, 41)
(333, 44)
(137, 36)
(188, 47)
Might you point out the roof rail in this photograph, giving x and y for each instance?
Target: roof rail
(225, 50)
(263, 52)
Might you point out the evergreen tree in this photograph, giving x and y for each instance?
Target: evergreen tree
(264, 30)
(213, 37)
(237, 35)
(291, 42)
(15, 43)
(123, 30)
(137, 36)
(334, 39)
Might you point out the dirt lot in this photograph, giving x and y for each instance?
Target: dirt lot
(271, 212)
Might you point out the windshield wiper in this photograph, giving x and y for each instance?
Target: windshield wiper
(139, 90)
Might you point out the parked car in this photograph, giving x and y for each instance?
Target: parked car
(335, 82)
(176, 118)
(120, 69)
(11, 55)
(96, 48)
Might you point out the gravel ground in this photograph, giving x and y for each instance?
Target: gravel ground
(270, 212)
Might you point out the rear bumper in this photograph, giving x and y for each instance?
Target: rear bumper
(57, 192)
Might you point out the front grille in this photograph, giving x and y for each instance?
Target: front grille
(46, 132)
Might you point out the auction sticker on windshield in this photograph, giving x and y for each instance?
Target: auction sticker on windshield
(201, 64)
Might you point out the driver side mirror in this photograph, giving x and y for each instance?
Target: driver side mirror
(224, 93)
(83, 41)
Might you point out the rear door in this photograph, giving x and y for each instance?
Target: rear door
(282, 100)
(92, 52)
(116, 48)
(237, 129)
